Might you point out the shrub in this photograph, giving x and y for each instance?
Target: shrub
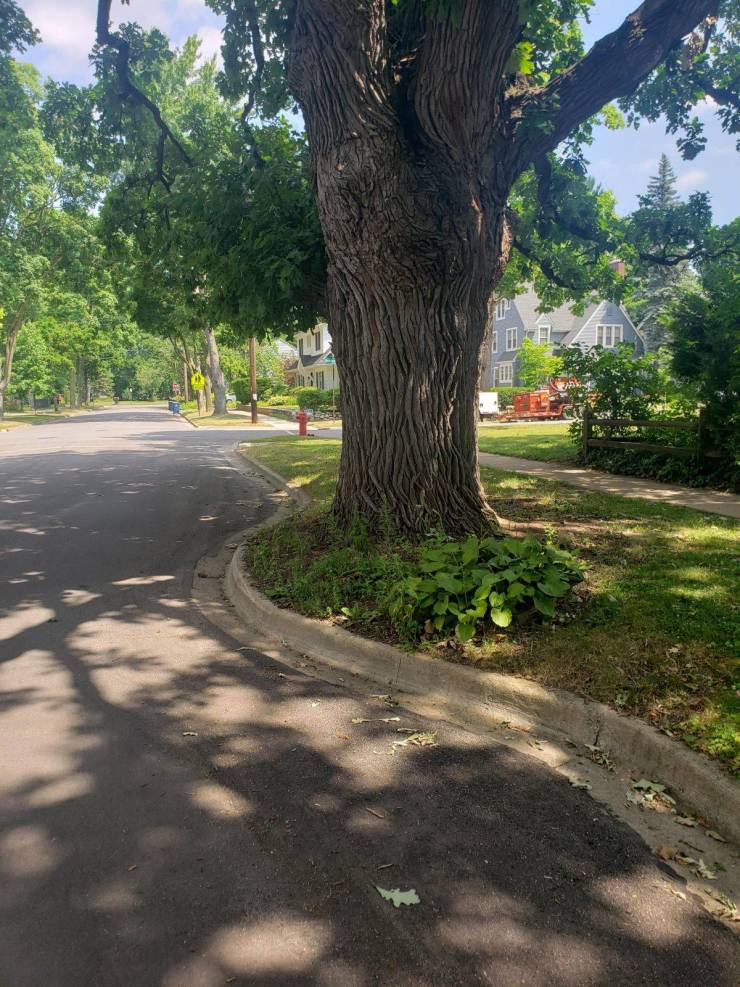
(242, 389)
(266, 388)
(458, 584)
(615, 382)
(313, 398)
(284, 400)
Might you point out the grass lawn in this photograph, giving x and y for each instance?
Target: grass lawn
(219, 421)
(652, 631)
(549, 443)
(14, 419)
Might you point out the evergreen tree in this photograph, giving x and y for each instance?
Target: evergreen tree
(664, 228)
(661, 190)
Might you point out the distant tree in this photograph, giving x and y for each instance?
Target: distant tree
(666, 235)
(536, 364)
(704, 325)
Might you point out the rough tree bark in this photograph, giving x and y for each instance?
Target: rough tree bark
(215, 373)
(415, 142)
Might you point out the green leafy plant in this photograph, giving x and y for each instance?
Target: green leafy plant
(457, 585)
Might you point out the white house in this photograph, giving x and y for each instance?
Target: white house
(316, 366)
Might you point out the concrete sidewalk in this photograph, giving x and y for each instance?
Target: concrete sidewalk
(713, 501)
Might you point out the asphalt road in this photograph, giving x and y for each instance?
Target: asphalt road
(175, 812)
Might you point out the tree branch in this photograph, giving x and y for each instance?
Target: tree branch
(108, 38)
(547, 269)
(722, 95)
(614, 67)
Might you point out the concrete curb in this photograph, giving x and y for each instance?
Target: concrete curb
(279, 482)
(483, 698)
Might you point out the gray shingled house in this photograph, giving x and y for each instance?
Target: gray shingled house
(604, 323)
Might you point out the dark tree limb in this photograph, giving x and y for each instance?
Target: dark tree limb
(258, 49)
(547, 269)
(614, 67)
(107, 38)
(722, 95)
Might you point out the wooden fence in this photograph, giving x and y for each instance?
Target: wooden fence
(700, 448)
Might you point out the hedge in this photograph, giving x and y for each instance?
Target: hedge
(506, 395)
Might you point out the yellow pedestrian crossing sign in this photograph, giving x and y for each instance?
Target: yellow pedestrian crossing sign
(197, 381)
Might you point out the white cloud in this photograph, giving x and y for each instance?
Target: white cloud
(211, 40)
(705, 107)
(69, 33)
(692, 179)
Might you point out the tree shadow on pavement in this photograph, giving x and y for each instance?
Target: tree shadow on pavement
(177, 812)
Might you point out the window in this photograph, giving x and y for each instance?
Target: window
(301, 380)
(320, 379)
(511, 339)
(505, 373)
(494, 341)
(543, 334)
(502, 308)
(317, 341)
(300, 348)
(608, 336)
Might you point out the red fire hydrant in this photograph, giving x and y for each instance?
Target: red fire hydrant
(302, 419)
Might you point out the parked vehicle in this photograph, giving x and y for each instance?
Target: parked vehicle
(551, 402)
(488, 404)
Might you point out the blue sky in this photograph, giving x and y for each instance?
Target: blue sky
(622, 161)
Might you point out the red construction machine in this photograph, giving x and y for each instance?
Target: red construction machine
(547, 403)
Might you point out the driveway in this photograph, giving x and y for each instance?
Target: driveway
(178, 812)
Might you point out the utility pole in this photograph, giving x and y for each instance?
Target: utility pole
(253, 376)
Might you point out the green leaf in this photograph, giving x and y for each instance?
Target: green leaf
(470, 550)
(501, 618)
(553, 587)
(545, 605)
(464, 631)
(448, 582)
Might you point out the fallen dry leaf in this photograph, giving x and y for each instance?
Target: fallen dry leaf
(377, 719)
(715, 836)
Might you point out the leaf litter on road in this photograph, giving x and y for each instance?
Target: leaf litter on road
(423, 739)
(399, 897)
(376, 719)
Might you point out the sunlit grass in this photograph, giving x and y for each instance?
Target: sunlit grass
(549, 443)
(655, 628)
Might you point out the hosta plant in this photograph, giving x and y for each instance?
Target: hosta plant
(458, 586)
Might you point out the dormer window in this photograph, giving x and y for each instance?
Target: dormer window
(502, 308)
(300, 347)
(543, 334)
(317, 340)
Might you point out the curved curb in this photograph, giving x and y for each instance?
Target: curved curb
(486, 697)
(279, 482)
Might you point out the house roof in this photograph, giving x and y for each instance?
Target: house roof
(562, 319)
(310, 361)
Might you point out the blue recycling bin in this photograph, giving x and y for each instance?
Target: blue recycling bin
(175, 407)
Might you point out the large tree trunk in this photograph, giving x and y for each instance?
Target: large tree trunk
(215, 373)
(416, 241)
